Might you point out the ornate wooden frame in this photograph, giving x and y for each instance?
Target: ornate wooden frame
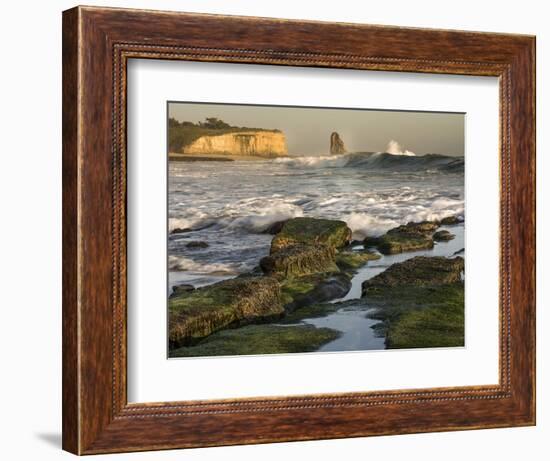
(97, 43)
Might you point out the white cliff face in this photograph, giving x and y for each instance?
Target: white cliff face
(253, 143)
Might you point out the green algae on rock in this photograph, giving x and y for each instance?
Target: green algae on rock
(183, 288)
(419, 316)
(299, 259)
(353, 260)
(418, 271)
(450, 220)
(443, 236)
(298, 292)
(260, 339)
(435, 326)
(196, 314)
(306, 246)
(409, 237)
(420, 302)
(310, 231)
(314, 310)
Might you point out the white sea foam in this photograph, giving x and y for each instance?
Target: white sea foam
(258, 219)
(438, 209)
(232, 206)
(182, 263)
(395, 148)
(330, 201)
(316, 161)
(193, 218)
(363, 224)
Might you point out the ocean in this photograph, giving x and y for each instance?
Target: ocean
(230, 205)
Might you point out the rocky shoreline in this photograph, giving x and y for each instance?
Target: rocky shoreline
(418, 302)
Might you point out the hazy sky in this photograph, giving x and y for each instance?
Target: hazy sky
(308, 130)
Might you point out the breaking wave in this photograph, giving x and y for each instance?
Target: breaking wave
(395, 148)
(254, 215)
(400, 162)
(232, 209)
(182, 263)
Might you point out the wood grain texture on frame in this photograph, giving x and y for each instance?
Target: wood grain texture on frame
(97, 43)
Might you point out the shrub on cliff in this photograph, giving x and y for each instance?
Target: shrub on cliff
(181, 134)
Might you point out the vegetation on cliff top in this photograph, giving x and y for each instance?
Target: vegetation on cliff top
(181, 134)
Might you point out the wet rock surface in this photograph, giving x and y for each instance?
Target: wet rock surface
(303, 291)
(418, 271)
(450, 221)
(353, 260)
(260, 339)
(306, 265)
(409, 237)
(183, 288)
(197, 244)
(300, 259)
(420, 302)
(443, 236)
(311, 231)
(196, 314)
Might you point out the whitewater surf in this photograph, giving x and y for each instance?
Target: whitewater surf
(229, 210)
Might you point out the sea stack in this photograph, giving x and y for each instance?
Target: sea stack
(336, 144)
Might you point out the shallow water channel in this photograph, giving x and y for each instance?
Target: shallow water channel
(352, 321)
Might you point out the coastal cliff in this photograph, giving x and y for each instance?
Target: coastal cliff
(242, 143)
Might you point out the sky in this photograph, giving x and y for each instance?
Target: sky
(308, 129)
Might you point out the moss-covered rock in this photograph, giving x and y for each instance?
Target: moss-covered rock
(409, 237)
(298, 292)
(315, 310)
(417, 271)
(450, 220)
(260, 339)
(275, 227)
(437, 326)
(305, 246)
(197, 244)
(179, 289)
(419, 316)
(353, 260)
(300, 259)
(443, 236)
(310, 231)
(196, 314)
(420, 302)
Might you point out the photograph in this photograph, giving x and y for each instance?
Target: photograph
(313, 229)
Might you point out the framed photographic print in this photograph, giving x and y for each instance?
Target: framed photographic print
(281, 230)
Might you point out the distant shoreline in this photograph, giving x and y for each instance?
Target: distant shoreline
(216, 157)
